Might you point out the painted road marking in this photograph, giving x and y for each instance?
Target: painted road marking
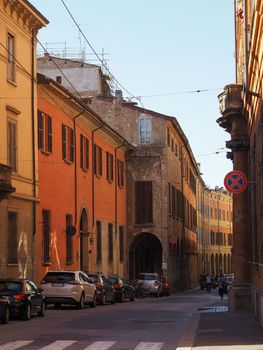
(100, 345)
(149, 346)
(15, 344)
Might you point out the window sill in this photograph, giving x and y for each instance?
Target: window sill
(11, 81)
(47, 153)
(69, 262)
(46, 263)
(12, 264)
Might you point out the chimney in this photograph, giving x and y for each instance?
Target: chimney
(118, 95)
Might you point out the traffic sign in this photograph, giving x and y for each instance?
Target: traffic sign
(235, 181)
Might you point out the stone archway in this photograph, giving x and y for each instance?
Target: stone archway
(84, 241)
(145, 255)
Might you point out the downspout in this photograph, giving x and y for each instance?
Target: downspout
(245, 46)
(116, 188)
(76, 187)
(33, 148)
(93, 174)
(183, 223)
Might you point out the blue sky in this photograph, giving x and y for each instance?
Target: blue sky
(169, 48)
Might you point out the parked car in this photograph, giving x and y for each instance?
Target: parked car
(104, 287)
(148, 284)
(68, 287)
(165, 286)
(123, 288)
(4, 309)
(25, 298)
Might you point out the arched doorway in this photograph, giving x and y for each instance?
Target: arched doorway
(145, 255)
(84, 241)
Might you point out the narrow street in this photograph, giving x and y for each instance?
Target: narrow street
(153, 323)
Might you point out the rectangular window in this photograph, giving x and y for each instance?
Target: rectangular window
(44, 132)
(11, 62)
(12, 145)
(121, 242)
(120, 166)
(69, 242)
(46, 219)
(169, 199)
(168, 137)
(98, 240)
(97, 155)
(109, 157)
(84, 152)
(230, 239)
(12, 238)
(68, 143)
(110, 233)
(143, 202)
(173, 201)
(145, 130)
(192, 182)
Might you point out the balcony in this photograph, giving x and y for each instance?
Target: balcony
(5, 182)
(230, 105)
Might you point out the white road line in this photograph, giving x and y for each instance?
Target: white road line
(15, 344)
(149, 346)
(100, 345)
(58, 345)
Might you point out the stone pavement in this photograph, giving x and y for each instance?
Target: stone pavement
(213, 327)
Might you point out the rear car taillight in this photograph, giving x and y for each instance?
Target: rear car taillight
(20, 296)
(116, 286)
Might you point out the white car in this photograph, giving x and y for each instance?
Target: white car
(148, 284)
(68, 287)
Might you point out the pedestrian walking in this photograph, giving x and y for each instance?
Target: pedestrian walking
(221, 285)
(208, 283)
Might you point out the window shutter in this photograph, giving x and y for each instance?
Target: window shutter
(40, 129)
(95, 159)
(63, 141)
(87, 153)
(72, 145)
(49, 134)
(100, 161)
(81, 152)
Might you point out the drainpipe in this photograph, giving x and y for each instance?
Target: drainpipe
(33, 146)
(93, 174)
(116, 187)
(76, 185)
(183, 223)
(75, 167)
(245, 46)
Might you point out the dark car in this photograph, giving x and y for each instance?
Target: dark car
(25, 298)
(166, 287)
(105, 290)
(123, 288)
(4, 309)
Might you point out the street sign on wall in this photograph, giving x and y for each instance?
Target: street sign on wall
(235, 181)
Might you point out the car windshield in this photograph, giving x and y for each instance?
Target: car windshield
(146, 277)
(59, 277)
(94, 278)
(113, 280)
(10, 288)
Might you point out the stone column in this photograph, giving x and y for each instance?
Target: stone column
(235, 123)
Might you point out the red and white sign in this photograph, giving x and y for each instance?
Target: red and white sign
(235, 181)
(172, 239)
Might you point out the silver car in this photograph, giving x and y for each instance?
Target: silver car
(147, 284)
(68, 287)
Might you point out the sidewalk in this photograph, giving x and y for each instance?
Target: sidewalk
(215, 328)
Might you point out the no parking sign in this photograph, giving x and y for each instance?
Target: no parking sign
(235, 181)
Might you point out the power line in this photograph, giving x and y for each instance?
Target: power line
(180, 93)
(101, 61)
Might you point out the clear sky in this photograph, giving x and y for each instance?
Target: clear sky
(164, 49)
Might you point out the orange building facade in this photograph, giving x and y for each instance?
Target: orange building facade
(82, 186)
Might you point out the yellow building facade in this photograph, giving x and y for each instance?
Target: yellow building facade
(19, 24)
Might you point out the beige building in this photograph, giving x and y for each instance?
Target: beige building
(19, 24)
(242, 116)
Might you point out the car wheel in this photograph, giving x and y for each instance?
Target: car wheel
(132, 298)
(5, 318)
(113, 301)
(93, 303)
(26, 315)
(81, 303)
(103, 300)
(42, 312)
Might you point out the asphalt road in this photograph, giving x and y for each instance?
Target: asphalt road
(146, 324)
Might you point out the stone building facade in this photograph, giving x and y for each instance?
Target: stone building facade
(161, 192)
(242, 116)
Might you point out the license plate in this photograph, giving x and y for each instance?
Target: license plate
(58, 284)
